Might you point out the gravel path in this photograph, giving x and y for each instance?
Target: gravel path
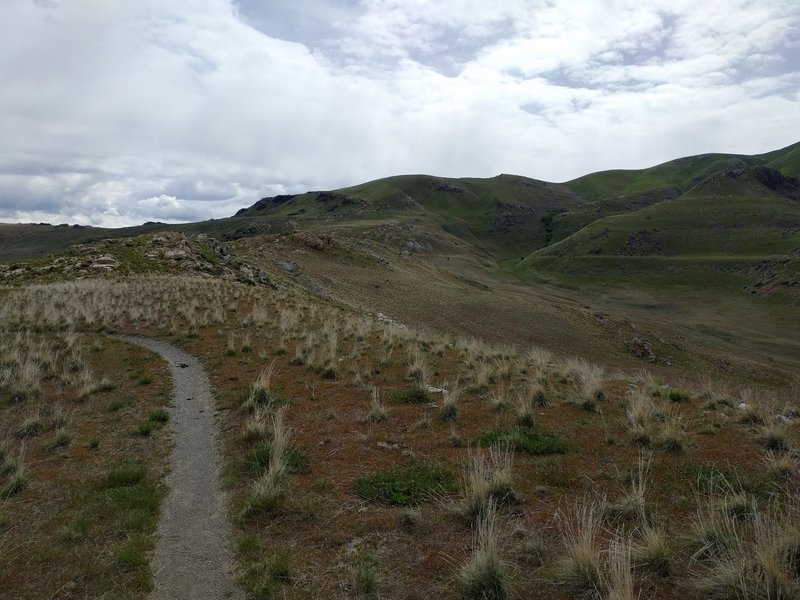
(192, 557)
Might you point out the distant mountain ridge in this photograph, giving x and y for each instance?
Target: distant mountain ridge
(506, 216)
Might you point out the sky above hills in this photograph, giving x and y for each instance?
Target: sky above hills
(115, 113)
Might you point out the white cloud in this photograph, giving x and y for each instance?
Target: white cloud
(116, 113)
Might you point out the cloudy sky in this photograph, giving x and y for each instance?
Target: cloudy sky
(115, 113)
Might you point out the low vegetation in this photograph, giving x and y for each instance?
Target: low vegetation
(366, 459)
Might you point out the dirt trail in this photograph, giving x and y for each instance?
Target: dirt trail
(192, 557)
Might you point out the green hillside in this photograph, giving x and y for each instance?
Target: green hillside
(679, 175)
(503, 217)
(507, 214)
(737, 212)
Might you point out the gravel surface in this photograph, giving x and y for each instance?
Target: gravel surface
(192, 557)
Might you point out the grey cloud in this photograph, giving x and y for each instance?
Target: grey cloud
(186, 110)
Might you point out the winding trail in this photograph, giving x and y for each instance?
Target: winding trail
(192, 557)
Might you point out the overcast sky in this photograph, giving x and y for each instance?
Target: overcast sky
(118, 112)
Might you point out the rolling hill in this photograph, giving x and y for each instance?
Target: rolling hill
(698, 256)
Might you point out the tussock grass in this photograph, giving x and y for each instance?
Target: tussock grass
(590, 384)
(619, 578)
(780, 466)
(377, 409)
(17, 479)
(485, 575)
(773, 435)
(760, 562)
(651, 551)
(632, 506)
(450, 398)
(61, 439)
(580, 570)
(498, 398)
(487, 477)
(272, 486)
(523, 408)
(261, 394)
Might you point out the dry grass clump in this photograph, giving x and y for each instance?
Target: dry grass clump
(590, 384)
(257, 425)
(498, 398)
(652, 552)
(619, 575)
(580, 570)
(537, 394)
(260, 394)
(523, 408)
(488, 477)
(17, 479)
(780, 466)
(450, 398)
(485, 575)
(377, 409)
(632, 506)
(773, 435)
(760, 561)
(272, 485)
(715, 529)
(539, 358)
(652, 425)
(752, 410)
(417, 367)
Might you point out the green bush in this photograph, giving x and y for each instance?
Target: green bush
(410, 395)
(406, 486)
(258, 459)
(678, 396)
(525, 440)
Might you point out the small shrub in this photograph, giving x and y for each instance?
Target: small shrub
(525, 440)
(144, 428)
(158, 416)
(406, 486)
(279, 567)
(410, 395)
(144, 380)
(117, 403)
(678, 396)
